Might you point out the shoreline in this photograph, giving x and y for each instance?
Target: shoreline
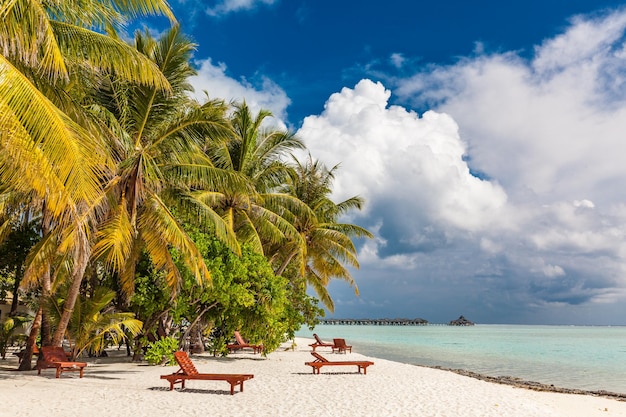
(531, 385)
(283, 386)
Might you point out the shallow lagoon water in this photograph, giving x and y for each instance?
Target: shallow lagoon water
(581, 357)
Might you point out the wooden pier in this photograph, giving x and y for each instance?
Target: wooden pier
(375, 322)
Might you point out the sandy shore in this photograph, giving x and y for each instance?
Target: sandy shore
(282, 386)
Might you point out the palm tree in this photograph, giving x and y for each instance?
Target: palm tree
(257, 152)
(94, 321)
(328, 248)
(158, 159)
(44, 148)
(48, 147)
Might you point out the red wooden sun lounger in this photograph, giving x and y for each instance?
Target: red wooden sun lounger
(340, 346)
(188, 371)
(320, 343)
(322, 361)
(56, 357)
(241, 344)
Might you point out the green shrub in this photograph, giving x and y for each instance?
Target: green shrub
(162, 351)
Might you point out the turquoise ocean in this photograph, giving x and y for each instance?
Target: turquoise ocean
(590, 358)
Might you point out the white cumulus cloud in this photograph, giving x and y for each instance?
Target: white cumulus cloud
(392, 156)
(229, 6)
(511, 182)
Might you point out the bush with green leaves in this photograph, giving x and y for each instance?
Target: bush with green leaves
(162, 351)
(95, 322)
(244, 294)
(8, 327)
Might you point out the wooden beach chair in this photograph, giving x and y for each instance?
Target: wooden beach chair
(188, 371)
(322, 361)
(242, 344)
(320, 343)
(56, 357)
(340, 346)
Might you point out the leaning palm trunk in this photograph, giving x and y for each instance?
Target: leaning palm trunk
(26, 360)
(46, 327)
(286, 262)
(78, 272)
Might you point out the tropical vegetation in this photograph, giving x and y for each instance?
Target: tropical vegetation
(132, 213)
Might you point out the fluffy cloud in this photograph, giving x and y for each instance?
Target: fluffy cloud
(511, 187)
(547, 128)
(503, 202)
(229, 6)
(404, 165)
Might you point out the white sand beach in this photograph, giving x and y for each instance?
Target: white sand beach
(282, 386)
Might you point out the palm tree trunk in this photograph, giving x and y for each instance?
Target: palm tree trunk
(27, 357)
(46, 285)
(286, 262)
(78, 272)
(18, 277)
(46, 326)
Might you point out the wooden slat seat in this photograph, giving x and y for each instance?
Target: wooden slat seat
(56, 357)
(188, 371)
(321, 361)
(320, 343)
(242, 344)
(341, 346)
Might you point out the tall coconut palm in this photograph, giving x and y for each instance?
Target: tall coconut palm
(157, 148)
(256, 151)
(328, 249)
(46, 146)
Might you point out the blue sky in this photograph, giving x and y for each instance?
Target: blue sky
(486, 137)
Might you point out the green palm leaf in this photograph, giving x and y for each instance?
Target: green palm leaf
(160, 230)
(44, 149)
(107, 54)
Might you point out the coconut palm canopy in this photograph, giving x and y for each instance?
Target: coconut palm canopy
(110, 162)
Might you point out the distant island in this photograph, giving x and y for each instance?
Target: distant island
(461, 321)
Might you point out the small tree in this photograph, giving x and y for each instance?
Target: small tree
(245, 295)
(94, 320)
(8, 327)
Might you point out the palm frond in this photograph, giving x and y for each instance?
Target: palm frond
(108, 54)
(320, 288)
(104, 14)
(26, 36)
(114, 238)
(204, 202)
(160, 231)
(44, 149)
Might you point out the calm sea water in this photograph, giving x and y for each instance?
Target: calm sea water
(582, 357)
